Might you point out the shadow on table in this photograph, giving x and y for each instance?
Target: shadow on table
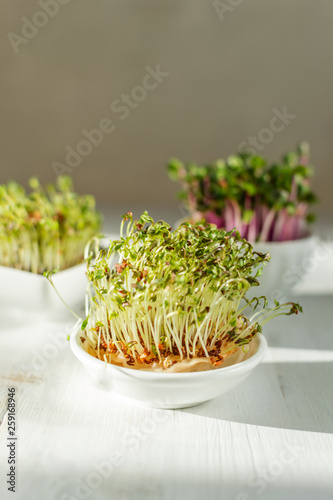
(296, 396)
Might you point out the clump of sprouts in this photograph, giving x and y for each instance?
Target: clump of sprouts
(46, 228)
(173, 296)
(264, 202)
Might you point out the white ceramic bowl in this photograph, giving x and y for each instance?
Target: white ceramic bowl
(168, 390)
(33, 293)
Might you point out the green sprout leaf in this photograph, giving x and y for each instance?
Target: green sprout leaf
(84, 323)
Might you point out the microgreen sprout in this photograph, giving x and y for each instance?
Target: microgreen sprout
(46, 228)
(173, 295)
(48, 275)
(264, 202)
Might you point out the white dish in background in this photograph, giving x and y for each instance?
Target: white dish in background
(33, 292)
(319, 278)
(288, 264)
(168, 390)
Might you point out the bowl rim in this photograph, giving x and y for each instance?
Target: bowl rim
(88, 359)
(23, 273)
(305, 239)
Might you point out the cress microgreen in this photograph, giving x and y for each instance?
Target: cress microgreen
(46, 228)
(173, 295)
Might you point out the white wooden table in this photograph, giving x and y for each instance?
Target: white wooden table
(271, 438)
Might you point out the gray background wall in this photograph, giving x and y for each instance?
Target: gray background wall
(225, 78)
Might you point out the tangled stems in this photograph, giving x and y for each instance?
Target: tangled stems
(264, 202)
(173, 296)
(47, 228)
